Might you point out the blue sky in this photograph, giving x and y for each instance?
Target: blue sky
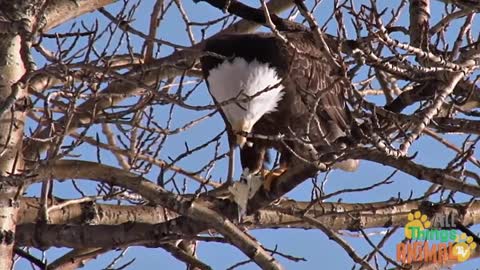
(314, 246)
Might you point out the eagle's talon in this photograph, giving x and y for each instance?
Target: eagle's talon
(271, 176)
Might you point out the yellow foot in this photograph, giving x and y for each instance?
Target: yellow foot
(270, 176)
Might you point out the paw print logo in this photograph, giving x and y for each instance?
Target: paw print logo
(463, 250)
(417, 220)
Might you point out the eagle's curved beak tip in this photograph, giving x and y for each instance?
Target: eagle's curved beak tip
(243, 126)
(241, 141)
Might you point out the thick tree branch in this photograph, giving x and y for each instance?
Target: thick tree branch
(254, 15)
(63, 169)
(60, 11)
(287, 214)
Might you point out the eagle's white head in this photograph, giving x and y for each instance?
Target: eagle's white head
(242, 79)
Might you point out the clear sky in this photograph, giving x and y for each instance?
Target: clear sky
(314, 246)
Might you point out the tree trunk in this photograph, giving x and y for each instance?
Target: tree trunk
(11, 134)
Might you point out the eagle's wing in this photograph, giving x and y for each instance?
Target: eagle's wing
(319, 80)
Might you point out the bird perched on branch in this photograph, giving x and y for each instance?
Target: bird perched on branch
(275, 94)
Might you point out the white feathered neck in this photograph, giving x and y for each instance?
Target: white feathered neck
(229, 78)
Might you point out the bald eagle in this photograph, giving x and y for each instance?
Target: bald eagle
(281, 89)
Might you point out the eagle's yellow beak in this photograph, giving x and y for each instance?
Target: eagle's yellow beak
(241, 126)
